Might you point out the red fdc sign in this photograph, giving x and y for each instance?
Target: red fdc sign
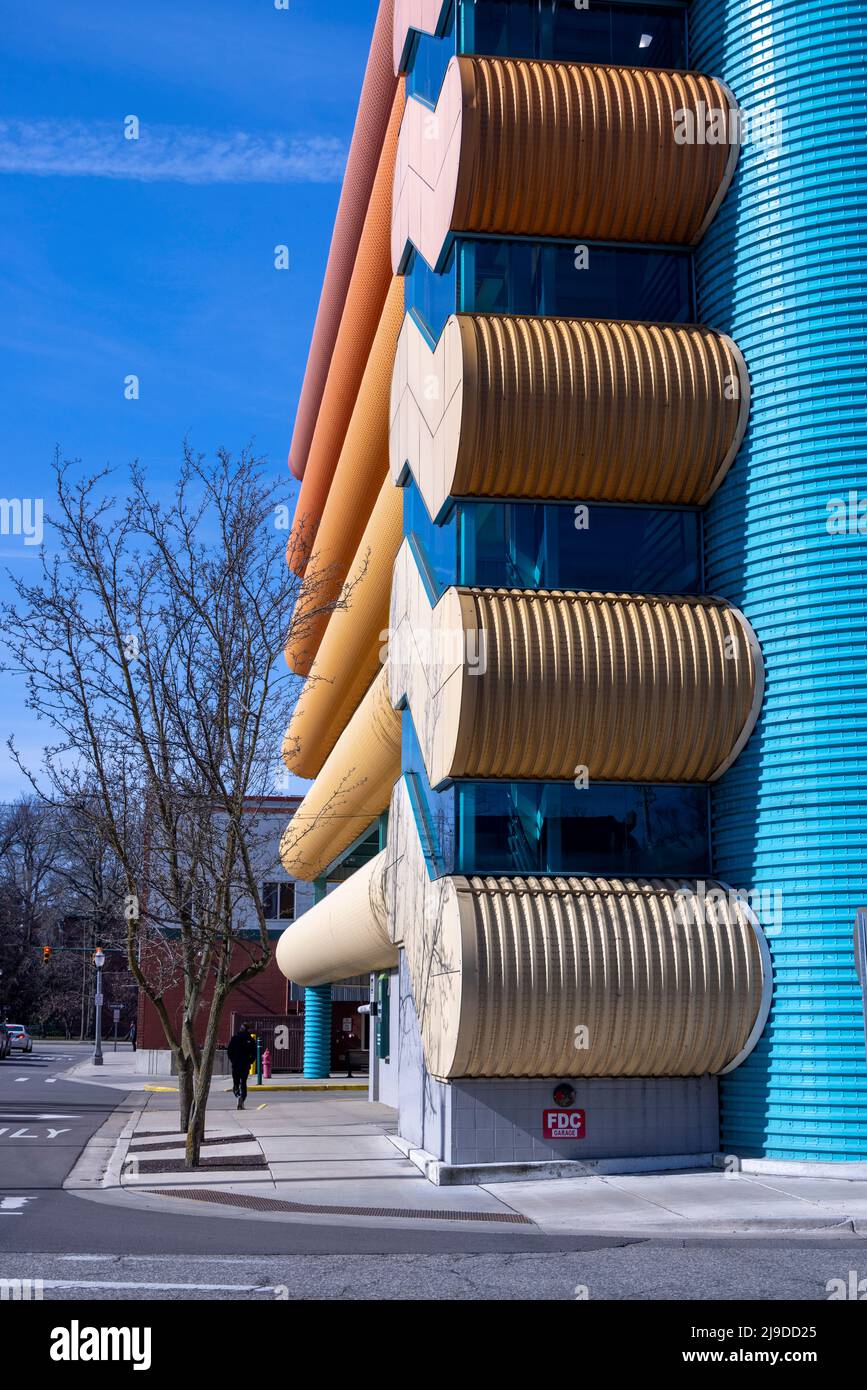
(563, 1124)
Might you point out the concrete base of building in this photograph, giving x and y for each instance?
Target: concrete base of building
(159, 1061)
(855, 1171)
(477, 1174)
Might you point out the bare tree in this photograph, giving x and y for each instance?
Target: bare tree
(153, 646)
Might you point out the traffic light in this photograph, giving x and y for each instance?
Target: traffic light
(46, 954)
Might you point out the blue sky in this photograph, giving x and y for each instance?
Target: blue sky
(156, 257)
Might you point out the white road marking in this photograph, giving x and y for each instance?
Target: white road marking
(22, 1078)
(11, 1206)
(13, 1115)
(130, 1284)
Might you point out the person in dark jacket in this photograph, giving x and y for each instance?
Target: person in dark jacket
(242, 1054)
(132, 1034)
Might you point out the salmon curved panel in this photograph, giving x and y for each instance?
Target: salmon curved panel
(543, 149)
(542, 684)
(357, 482)
(377, 96)
(343, 935)
(601, 410)
(665, 977)
(369, 289)
(353, 787)
(349, 656)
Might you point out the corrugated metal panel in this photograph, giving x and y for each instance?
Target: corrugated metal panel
(635, 688)
(357, 482)
(661, 989)
(349, 655)
(784, 269)
(582, 408)
(368, 291)
(541, 149)
(352, 789)
(377, 95)
(562, 149)
(345, 934)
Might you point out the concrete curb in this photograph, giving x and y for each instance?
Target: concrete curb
(100, 1161)
(482, 1174)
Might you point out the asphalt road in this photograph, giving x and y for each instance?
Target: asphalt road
(97, 1247)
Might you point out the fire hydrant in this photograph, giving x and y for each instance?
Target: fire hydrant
(266, 1063)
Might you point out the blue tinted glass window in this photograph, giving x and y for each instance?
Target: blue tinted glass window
(607, 828)
(434, 547)
(588, 280)
(429, 297)
(637, 35)
(530, 545)
(428, 62)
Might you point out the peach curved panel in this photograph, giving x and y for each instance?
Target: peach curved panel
(375, 104)
(539, 684)
(353, 787)
(525, 148)
(351, 652)
(358, 480)
(343, 935)
(600, 410)
(372, 294)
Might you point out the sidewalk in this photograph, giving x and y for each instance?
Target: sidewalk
(292, 1155)
(118, 1072)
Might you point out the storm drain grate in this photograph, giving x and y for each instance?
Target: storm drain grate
(242, 1199)
(178, 1165)
(181, 1141)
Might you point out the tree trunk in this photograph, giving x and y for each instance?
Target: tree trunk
(198, 1109)
(184, 1066)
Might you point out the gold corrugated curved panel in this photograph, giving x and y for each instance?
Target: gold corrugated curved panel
(348, 658)
(343, 935)
(358, 481)
(512, 683)
(596, 409)
(667, 977)
(540, 958)
(352, 789)
(543, 149)
(562, 149)
(371, 286)
(636, 688)
(601, 410)
(375, 104)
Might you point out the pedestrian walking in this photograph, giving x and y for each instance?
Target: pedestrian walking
(242, 1055)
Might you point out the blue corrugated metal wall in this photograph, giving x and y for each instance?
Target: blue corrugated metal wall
(784, 270)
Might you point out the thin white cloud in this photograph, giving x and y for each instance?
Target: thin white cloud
(163, 153)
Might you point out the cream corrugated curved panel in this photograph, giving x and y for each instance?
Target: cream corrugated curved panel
(512, 683)
(602, 410)
(358, 481)
(343, 935)
(543, 149)
(351, 652)
(669, 977)
(371, 286)
(377, 97)
(353, 787)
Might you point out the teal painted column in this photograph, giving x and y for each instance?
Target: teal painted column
(317, 1017)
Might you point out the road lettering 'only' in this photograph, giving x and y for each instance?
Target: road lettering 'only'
(25, 1133)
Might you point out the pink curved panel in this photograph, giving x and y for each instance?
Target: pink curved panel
(377, 95)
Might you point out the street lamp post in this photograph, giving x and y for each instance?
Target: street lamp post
(99, 962)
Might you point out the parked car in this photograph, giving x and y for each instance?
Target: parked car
(19, 1037)
(4, 1041)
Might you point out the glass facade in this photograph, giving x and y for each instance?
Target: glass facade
(557, 279)
(556, 545)
(645, 35)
